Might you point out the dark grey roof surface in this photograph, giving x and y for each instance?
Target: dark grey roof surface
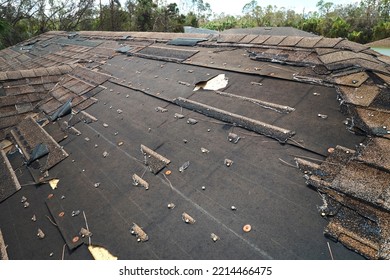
(195, 30)
(287, 106)
(384, 43)
(272, 31)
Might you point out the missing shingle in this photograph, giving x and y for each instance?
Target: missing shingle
(215, 83)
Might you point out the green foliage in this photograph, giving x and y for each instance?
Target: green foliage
(168, 19)
(311, 25)
(112, 18)
(144, 15)
(356, 36)
(222, 23)
(362, 22)
(382, 30)
(339, 28)
(191, 20)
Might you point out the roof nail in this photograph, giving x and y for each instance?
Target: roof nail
(322, 116)
(214, 237)
(75, 213)
(40, 234)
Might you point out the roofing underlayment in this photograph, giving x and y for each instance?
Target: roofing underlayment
(137, 145)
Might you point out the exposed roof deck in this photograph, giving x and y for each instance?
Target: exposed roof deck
(189, 135)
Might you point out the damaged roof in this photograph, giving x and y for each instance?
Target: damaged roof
(272, 31)
(384, 43)
(194, 146)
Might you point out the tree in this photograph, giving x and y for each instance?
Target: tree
(311, 24)
(13, 11)
(381, 30)
(362, 22)
(339, 28)
(15, 17)
(324, 7)
(144, 15)
(168, 19)
(254, 11)
(72, 13)
(191, 20)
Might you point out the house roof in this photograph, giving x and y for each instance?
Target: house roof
(196, 30)
(271, 31)
(185, 139)
(384, 43)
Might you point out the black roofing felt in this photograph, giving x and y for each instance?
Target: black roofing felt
(194, 30)
(124, 203)
(136, 104)
(253, 183)
(185, 41)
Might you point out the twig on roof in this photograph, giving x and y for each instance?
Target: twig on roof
(330, 251)
(170, 184)
(51, 221)
(146, 169)
(319, 160)
(63, 251)
(315, 159)
(296, 142)
(86, 225)
(288, 164)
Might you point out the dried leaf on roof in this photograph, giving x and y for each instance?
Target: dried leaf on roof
(101, 253)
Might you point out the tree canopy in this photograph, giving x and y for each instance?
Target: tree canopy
(364, 21)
